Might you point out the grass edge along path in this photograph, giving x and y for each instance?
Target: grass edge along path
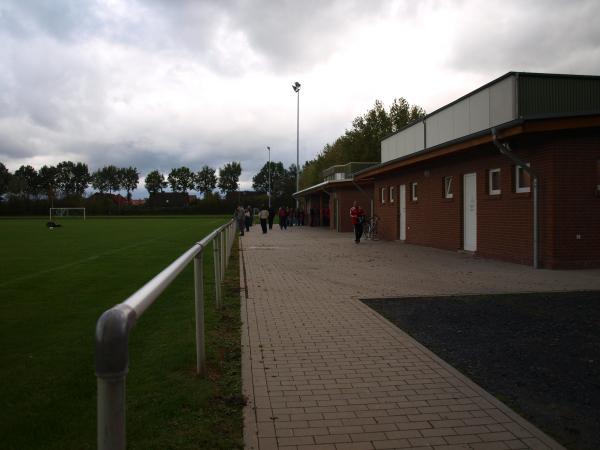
(191, 411)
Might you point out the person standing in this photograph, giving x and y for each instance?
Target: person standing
(271, 217)
(239, 218)
(282, 218)
(263, 215)
(247, 218)
(357, 214)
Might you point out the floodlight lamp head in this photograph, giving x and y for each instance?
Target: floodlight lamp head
(296, 86)
(268, 148)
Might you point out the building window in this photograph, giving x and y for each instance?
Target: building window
(382, 195)
(391, 194)
(522, 180)
(413, 190)
(494, 182)
(448, 188)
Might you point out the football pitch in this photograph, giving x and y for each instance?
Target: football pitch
(54, 285)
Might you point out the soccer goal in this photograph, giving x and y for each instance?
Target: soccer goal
(67, 212)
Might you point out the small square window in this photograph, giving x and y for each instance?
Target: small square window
(494, 182)
(391, 194)
(448, 187)
(522, 180)
(382, 195)
(413, 190)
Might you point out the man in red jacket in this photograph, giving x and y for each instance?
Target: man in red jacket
(357, 214)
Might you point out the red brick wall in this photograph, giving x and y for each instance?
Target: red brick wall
(565, 163)
(577, 207)
(346, 196)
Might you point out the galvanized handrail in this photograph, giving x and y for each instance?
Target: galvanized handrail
(114, 325)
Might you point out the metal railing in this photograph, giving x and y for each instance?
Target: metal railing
(115, 324)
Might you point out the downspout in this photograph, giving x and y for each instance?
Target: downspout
(365, 194)
(506, 151)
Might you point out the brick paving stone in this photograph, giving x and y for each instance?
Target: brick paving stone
(320, 369)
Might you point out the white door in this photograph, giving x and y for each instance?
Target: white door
(470, 212)
(402, 210)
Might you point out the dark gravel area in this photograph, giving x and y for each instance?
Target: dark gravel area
(538, 353)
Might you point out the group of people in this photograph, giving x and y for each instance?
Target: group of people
(291, 217)
(287, 217)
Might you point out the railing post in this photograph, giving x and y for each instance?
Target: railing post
(217, 265)
(112, 364)
(223, 258)
(199, 301)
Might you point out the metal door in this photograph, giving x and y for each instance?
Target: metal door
(402, 211)
(470, 212)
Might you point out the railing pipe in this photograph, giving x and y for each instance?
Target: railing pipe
(114, 326)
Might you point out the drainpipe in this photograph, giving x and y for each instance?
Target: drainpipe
(365, 194)
(506, 151)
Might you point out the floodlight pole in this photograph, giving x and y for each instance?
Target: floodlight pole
(269, 193)
(296, 87)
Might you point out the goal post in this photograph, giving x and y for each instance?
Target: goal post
(67, 212)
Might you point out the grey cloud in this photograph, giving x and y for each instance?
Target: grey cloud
(285, 35)
(548, 36)
(62, 19)
(11, 149)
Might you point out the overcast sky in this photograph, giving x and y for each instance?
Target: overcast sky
(158, 84)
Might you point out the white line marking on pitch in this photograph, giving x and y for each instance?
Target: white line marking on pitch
(81, 261)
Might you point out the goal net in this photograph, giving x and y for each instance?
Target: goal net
(67, 212)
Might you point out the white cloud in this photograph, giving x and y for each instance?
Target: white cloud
(159, 84)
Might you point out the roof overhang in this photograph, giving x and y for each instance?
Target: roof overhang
(326, 186)
(507, 130)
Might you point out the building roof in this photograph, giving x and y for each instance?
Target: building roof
(506, 102)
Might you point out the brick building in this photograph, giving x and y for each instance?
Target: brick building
(468, 176)
(331, 200)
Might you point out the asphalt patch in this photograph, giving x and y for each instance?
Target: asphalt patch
(539, 353)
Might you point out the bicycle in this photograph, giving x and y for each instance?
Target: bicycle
(370, 228)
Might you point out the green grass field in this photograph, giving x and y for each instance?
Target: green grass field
(54, 285)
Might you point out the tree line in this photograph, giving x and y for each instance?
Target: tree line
(362, 142)
(71, 179)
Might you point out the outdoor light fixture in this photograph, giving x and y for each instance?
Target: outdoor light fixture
(296, 88)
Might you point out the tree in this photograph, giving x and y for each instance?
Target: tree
(130, 178)
(4, 179)
(363, 141)
(181, 179)
(260, 181)
(81, 179)
(206, 180)
(112, 176)
(73, 179)
(48, 181)
(25, 181)
(106, 179)
(229, 176)
(155, 182)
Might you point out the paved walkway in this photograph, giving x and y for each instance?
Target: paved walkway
(323, 371)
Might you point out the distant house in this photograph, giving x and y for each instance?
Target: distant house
(139, 202)
(169, 200)
(116, 199)
(246, 198)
